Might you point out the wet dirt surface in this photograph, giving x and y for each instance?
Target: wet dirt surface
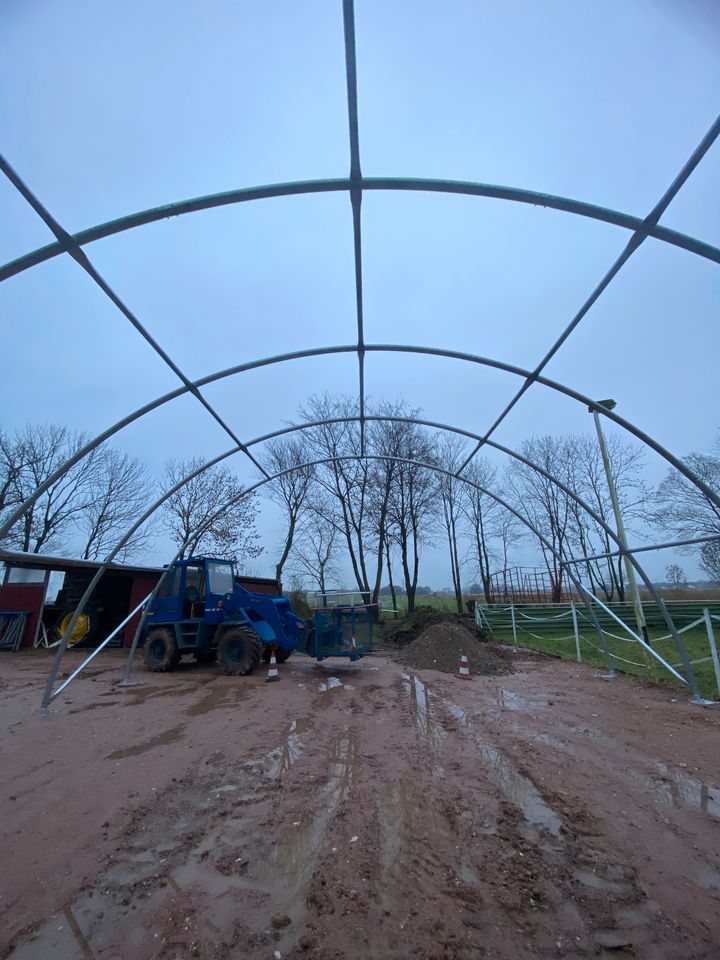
(357, 811)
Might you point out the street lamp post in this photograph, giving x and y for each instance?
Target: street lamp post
(629, 568)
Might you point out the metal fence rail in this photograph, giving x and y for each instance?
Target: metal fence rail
(540, 625)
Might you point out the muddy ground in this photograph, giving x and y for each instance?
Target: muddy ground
(357, 811)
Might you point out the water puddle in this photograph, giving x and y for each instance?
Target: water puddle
(426, 722)
(517, 701)
(170, 736)
(138, 695)
(293, 857)
(520, 790)
(593, 880)
(92, 926)
(404, 816)
(284, 756)
(677, 789)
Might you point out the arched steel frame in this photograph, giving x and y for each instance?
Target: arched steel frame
(140, 412)
(299, 188)
(256, 486)
(354, 186)
(690, 675)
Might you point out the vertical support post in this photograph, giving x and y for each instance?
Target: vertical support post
(514, 628)
(713, 646)
(588, 598)
(575, 630)
(697, 697)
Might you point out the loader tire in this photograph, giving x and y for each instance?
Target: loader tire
(161, 651)
(238, 651)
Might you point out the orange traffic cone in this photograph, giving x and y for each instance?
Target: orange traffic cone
(272, 669)
(464, 671)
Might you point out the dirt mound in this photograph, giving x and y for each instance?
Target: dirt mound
(440, 646)
(402, 632)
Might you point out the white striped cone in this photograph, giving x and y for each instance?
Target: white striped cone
(272, 669)
(464, 671)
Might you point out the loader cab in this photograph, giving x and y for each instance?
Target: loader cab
(194, 589)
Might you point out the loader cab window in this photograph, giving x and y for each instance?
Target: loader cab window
(220, 577)
(194, 599)
(169, 587)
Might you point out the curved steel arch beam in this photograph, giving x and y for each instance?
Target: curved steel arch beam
(402, 184)
(429, 423)
(16, 514)
(680, 646)
(48, 693)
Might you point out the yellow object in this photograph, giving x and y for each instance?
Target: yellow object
(80, 629)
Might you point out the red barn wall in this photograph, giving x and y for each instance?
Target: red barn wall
(24, 596)
(142, 584)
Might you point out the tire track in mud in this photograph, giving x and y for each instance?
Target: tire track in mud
(237, 840)
(380, 823)
(550, 860)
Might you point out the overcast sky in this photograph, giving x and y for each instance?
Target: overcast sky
(107, 108)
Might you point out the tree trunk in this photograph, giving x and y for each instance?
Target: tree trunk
(390, 576)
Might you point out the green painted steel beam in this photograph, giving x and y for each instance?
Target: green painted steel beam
(412, 184)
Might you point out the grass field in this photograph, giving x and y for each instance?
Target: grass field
(562, 645)
(436, 601)
(628, 655)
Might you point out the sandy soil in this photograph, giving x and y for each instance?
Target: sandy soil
(357, 811)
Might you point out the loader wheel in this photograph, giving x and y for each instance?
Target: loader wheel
(238, 651)
(161, 651)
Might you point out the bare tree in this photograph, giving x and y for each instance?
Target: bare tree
(28, 459)
(544, 504)
(684, 510)
(388, 545)
(412, 504)
(506, 533)
(13, 461)
(482, 515)
(589, 481)
(675, 576)
(290, 491)
(710, 560)
(185, 514)
(343, 486)
(119, 491)
(315, 555)
(385, 439)
(449, 454)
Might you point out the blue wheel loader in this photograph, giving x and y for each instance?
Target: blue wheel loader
(201, 610)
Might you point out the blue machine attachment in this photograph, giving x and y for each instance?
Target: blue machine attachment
(344, 631)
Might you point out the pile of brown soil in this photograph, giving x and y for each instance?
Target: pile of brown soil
(440, 646)
(402, 632)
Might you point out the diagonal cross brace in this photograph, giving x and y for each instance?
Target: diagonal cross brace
(71, 246)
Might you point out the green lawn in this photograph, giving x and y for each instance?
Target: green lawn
(563, 646)
(436, 602)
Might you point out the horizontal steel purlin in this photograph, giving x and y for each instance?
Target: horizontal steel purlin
(644, 549)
